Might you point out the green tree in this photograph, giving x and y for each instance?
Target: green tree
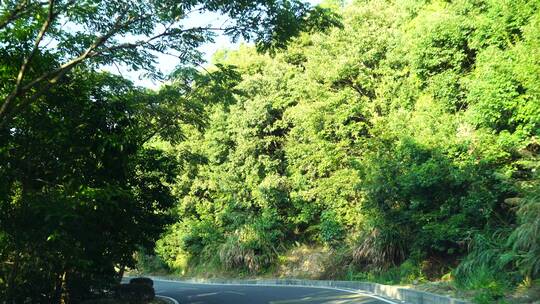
(130, 33)
(71, 201)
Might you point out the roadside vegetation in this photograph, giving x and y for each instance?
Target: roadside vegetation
(393, 141)
(400, 148)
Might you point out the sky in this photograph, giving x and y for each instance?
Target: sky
(167, 63)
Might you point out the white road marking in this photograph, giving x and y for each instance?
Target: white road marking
(276, 285)
(168, 298)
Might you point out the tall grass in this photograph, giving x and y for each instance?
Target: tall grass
(247, 250)
(380, 250)
(525, 239)
(486, 270)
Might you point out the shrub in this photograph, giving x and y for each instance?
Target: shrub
(484, 270)
(248, 248)
(150, 263)
(381, 249)
(235, 254)
(331, 230)
(409, 272)
(188, 239)
(489, 285)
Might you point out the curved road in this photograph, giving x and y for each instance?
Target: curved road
(188, 293)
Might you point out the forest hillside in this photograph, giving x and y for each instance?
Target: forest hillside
(402, 146)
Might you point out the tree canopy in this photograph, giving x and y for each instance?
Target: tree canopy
(50, 38)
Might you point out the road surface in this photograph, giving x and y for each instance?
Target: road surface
(187, 293)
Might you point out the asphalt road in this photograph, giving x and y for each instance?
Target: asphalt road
(232, 294)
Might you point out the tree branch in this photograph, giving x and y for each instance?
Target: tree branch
(131, 45)
(14, 14)
(53, 76)
(26, 62)
(21, 8)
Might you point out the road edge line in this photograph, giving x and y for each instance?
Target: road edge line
(167, 298)
(278, 285)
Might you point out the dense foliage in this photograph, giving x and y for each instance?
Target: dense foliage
(403, 136)
(70, 200)
(82, 188)
(409, 137)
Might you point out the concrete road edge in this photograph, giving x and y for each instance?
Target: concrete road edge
(171, 300)
(386, 293)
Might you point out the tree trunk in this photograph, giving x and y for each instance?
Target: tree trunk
(121, 273)
(11, 279)
(64, 299)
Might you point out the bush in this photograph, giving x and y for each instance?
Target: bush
(331, 230)
(381, 249)
(250, 248)
(187, 240)
(488, 285)
(410, 272)
(150, 263)
(483, 270)
(135, 293)
(236, 254)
